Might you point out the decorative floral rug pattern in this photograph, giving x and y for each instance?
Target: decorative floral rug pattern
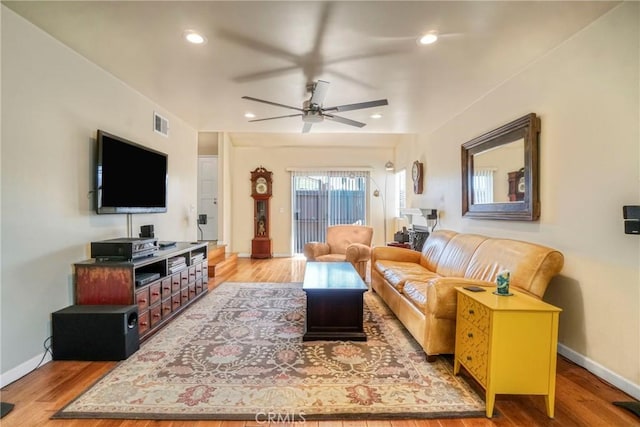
(238, 354)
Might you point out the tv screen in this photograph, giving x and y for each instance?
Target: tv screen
(130, 178)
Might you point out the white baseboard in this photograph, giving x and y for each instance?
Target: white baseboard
(600, 371)
(23, 369)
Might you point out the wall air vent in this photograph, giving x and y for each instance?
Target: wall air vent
(160, 124)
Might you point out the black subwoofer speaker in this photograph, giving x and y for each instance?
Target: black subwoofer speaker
(95, 332)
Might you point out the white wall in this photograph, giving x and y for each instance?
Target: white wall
(53, 101)
(586, 92)
(278, 159)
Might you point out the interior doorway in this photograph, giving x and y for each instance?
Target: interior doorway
(208, 198)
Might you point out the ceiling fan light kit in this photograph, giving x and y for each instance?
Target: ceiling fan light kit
(312, 110)
(428, 38)
(194, 37)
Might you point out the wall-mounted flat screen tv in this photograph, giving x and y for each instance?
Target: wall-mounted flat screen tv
(130, 178)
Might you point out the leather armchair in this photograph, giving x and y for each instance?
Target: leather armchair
(350, 243)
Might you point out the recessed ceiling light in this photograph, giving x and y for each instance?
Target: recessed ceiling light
(193, 37)
(376, 116)
(249, 115)
(428, 38)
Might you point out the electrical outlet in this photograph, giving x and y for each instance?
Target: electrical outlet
(202, 219)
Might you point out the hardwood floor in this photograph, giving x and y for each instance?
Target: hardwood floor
(581, 398)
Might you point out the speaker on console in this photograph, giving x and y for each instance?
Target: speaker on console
(95, 332)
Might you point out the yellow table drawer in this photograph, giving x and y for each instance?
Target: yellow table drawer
(473, 350)
(475, 313)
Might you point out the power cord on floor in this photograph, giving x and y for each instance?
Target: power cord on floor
(47, 349)
(6, 407)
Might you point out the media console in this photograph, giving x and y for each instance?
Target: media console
(179, 277)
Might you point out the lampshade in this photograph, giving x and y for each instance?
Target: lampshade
(388, 166)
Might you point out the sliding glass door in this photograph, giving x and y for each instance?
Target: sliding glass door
(324, 198)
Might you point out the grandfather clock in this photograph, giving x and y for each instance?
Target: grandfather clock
(261, 180)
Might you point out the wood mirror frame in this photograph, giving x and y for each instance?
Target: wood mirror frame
(526, 209)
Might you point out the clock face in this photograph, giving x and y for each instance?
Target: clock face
(261, 187)
(521, 186)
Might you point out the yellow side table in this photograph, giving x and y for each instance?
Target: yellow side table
(508, 344)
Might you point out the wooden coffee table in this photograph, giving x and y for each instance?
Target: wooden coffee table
(334, 302)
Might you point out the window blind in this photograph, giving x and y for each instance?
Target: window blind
(324, 198)
(483, 185)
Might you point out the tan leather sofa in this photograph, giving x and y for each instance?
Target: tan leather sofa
(419, 286)
(350, 243)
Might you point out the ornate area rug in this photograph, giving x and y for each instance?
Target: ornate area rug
(238, 354)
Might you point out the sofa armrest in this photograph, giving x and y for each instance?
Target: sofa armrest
(357, 252)
(442, 298)
(391, 253)
(312, 250)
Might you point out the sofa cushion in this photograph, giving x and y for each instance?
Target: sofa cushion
(398, 272)
(456, 255)
(416, 292)
(531, 265)
(433, 248)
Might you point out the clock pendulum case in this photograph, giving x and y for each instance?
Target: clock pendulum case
(261, 180)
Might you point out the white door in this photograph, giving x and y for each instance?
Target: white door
(208, 197)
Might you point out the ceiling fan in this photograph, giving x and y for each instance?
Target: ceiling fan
(312, 110)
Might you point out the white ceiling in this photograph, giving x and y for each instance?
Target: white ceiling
(367, 50)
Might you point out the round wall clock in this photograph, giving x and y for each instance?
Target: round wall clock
(416, 175)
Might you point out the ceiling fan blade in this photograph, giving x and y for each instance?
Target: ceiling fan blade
(258, 45)
(319, 92)
(344, 120)
(348, 78)
(272, 103)
(277, 117)
(306, 128)
(358, 106)
(311, 62)
(265, 74)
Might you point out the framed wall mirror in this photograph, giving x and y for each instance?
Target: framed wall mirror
(500, 172)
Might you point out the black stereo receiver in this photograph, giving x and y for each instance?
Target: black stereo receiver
(123, 249)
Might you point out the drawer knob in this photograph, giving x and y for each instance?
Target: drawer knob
(470, 335)
(469, 358)
(156, 315)
(142, 300)
(472, 312)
